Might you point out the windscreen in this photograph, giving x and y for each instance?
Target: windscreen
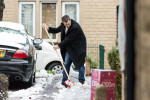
(12, 35)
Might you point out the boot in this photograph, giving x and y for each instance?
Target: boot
(81, 81)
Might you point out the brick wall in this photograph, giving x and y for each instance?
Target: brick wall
(10, 11)
(100, 27)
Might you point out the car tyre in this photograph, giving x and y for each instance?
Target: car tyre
(32, 79)
(56, 68)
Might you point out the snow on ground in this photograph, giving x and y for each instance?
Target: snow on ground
(32, 92)
(76, 92)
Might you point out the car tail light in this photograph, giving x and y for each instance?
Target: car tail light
(20, 54)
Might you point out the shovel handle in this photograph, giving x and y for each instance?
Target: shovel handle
(58, 55)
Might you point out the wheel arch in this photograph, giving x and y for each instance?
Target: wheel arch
(51, 63)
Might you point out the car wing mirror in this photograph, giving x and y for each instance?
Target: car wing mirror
(37, 41)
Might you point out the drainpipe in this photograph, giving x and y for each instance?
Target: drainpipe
(130, 48)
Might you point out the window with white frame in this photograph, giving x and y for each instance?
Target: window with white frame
(27, 16)
(71, 9)
(48, 15)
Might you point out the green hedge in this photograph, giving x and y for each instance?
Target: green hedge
(114, 62)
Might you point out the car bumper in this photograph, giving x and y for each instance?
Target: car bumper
(16, 71)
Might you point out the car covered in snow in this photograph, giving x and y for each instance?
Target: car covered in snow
(47, 58)
(17, 53)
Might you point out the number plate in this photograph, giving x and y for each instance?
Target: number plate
(2, 53)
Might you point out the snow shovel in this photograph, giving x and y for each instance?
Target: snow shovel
(59, 58)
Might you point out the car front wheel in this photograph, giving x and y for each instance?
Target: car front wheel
(56, 68)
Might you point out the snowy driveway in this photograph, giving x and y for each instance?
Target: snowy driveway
(48, 87)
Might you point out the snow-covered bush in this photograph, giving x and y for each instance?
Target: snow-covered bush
(3, 86)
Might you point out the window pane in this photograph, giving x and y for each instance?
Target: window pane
(48, 17)
(27, 17)
(71, 10)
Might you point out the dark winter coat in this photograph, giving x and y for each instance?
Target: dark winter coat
(74, 42)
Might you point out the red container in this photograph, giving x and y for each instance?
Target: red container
(107, 78)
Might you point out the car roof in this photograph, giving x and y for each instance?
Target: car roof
(12, 25)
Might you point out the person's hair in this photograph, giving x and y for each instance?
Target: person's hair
(65, 18)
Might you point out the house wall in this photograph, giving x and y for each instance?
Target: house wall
(97, 18)
(99, 23)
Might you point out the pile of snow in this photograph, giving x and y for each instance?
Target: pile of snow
(76, 92)
(42, 74)
(32, 92)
